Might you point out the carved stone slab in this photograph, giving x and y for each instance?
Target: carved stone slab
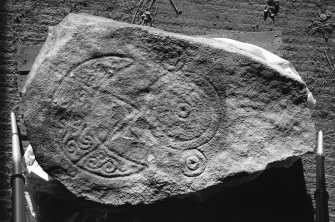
(120, 113)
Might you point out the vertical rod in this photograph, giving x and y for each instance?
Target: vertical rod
(138, 8)
(17, 180)
(152, 4)
(321, 194)
(330, 64)
(178, 12)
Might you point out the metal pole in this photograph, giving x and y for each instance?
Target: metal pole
(178, 12)
(138, 7)
(17, 180)
(321, 194)
(152, 4)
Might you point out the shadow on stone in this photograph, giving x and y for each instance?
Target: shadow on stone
(278, 194)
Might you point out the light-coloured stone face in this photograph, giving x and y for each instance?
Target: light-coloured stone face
(127, 114)
(117, 131)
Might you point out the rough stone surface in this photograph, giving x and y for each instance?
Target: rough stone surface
(127, 114)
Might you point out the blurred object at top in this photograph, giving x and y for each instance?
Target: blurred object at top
(146, 17)
(324, 16)
(271, 9)
(322, 25)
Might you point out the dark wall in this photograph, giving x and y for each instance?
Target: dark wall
(8, 99)
(279, 194)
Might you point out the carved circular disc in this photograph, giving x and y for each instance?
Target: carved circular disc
(193, 163)
(185, 111)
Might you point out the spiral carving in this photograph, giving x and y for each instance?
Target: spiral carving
(193, 163)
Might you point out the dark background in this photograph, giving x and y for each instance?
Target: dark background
(279, 194)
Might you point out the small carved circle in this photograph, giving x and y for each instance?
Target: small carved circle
(109, 167)
(92, 163)
(71, 146)
(183, 110)
(86, 142)
(193, 163)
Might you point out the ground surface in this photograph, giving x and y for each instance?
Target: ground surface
(279, 194)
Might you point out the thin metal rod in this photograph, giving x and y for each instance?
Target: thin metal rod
(152, 4)
(178, 12)
(321, 194)
(330, 64)
(17, 180)
(320, 143)
(138, 8)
